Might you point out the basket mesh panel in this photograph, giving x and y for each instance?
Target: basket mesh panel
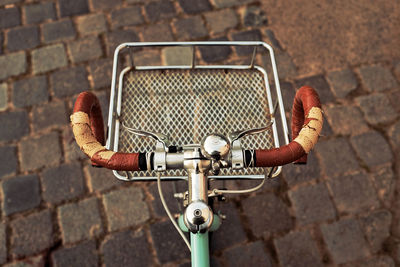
(187, 105)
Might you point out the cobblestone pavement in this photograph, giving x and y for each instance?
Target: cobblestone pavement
(342, 209)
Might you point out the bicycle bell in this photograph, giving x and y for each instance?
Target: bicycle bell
(215, 146)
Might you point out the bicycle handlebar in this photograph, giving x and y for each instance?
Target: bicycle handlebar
(306, 126)
(88, 129)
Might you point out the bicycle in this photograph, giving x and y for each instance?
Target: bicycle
(213, 136)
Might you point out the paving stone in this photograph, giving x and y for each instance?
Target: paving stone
(343, 82)
(20, 194)
(377, 261)
(8, 161)
(71, 8)
(14, 125)
(84, 49)
(319, 83)
(176, 56)
(394, 134)
(49, 115)
(126, 16)
(61, 183)
(377, 78)
(215, 53)
(231, 231)
(9, 17)
(221, 20)
(68, 82)
(30, 91)
(336, 156)
(158, 10)
(80, 221)
(251, 254)
(12, 64)
(40, 12)
(118, 37)
(372, 148)
(377, 228)
(267, 213)
(3, 96)
(298, 249)
(345, 241)
(83, 254)
(195, 6)
(37, 152)
(312, 204)
(190, 28)
(57, 31)
(298, 173)
(31, 234)
(3, 243)
(384, 181)
(353, 193)
(101, 179)
(105, 4)
(250, 35)
(91, 24)
(157, 33)
(254, 16)
(126, 249)
(376, 108)
(48, 58)
(125, 207)
(23, 38)
(134, 1)
(346, 120)
(167, 242)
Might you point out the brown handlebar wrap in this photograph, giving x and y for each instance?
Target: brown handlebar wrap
(88, 128)
(306, 126)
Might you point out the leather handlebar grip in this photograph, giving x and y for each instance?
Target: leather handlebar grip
(88, 128)
(307, 121)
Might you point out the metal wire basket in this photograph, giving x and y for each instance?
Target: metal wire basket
(188, 102)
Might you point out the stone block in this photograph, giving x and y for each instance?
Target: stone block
(30, 91)
(92, 24)
(71, 8)
(57, 31)
(31, 234)
(377, 78)
(48, 58)
(23, 38)
(37, 152)
(9, 17)
(49, 115)
(80, 221)
(250, 254)
(353, 193)
(343, 82)
(83, 254)
(195, 6)
(190, 28)
(125, 207)
(87, 48)
(312, 204)
(62, 183)
(319, 83)
(39, 12)
(14, 125)
(345, 241)
(221, 20)
(68, 82)
(159, 10)
(346, 119)
(126, 16)
(377, 228)
(377, 108)
(13, 64)
(8, 161)
(20, 194)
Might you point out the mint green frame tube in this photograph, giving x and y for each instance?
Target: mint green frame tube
(200, 250)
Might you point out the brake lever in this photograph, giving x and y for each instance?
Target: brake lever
(159, 137)
(242, 133)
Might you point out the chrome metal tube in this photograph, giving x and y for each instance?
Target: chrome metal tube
(197, 186)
